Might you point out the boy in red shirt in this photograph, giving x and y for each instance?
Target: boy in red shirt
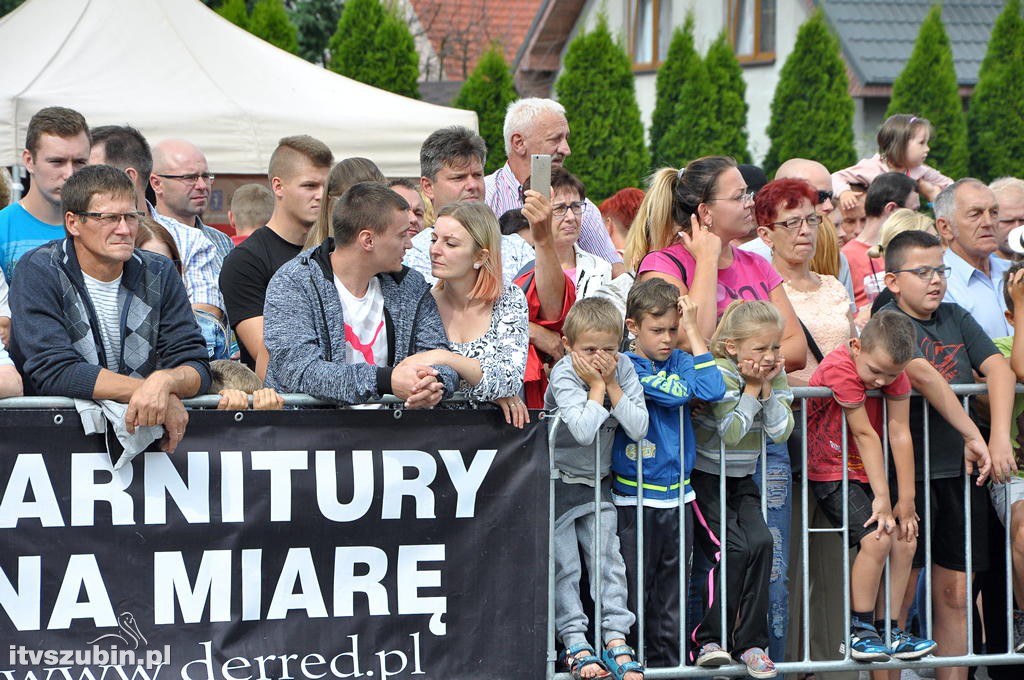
(875, 361)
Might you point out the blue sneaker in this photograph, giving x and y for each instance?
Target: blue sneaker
(865, 644)
(907, 646)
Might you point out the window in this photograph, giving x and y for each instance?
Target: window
(650, 31)
(752, 29)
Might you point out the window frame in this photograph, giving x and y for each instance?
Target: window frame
(757, 56)
(632, 12)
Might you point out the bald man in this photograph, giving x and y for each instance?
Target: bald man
(817, 175)
(182, 182)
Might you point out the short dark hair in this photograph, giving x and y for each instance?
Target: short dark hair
(57, 121)
(367, 205)
(513, 221)
(563, 179)
(1007, 276)
(78, 191)
(653, 297)
(453, 146)
(891, 331)
(124, 147)
(896, 251)
(232, 375)
(889, 187)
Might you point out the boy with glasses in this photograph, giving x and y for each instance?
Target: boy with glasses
(952, 342)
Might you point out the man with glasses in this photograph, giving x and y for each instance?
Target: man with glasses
(966, 215)
(182, 183)
(100, 320)
(1009, 193)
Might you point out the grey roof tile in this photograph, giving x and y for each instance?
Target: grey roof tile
(877, 36)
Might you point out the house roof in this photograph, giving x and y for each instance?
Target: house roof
(460, 30)
(877, 36)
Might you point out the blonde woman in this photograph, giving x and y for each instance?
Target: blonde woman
(898, 222)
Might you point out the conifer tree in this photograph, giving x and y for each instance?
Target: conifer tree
(692, 132)
(995, 113)
(730, 119)
(315, 21)
(236, 12)
(597, 90)
(373, 45)
(270, 21)
(812, 111)
(489, 90)
(673, 74)
(928, 87)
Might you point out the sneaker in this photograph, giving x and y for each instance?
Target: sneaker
(907, 646)
(758, 664)
(865, 645)
(712, 654)
(1018, 630)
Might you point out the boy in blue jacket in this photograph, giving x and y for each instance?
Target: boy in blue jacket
(670, 378)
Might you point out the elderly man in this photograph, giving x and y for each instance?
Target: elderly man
(341, 317)
(966, 215)
(1009, 193)
(97, 319)
(538, 126)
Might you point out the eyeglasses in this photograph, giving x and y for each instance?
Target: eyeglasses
(742, 198)
(925, 273)
(191, 179)
(112, 219)
(824, 196)
(813, 221)
(559, 210)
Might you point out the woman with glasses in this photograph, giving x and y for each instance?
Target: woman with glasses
(682, 234)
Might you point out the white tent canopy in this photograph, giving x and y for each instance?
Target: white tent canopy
(174, 68)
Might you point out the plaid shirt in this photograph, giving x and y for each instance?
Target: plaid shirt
(200, 261)
(504, 193)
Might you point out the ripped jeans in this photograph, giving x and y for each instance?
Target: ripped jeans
(779, 492)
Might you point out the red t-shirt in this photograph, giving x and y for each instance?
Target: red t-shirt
(825, 416)
(535, 381)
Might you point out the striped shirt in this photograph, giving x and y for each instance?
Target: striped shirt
(503, 194)
(200, 261)
(103, 295)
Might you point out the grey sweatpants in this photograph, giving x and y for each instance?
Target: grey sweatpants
(574, 531)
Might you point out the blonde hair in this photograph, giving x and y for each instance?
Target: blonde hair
(743, 319)
(232, 375)
(826, 252)
(901, 220)
(482, 226)
(591, 314)
(344, 174)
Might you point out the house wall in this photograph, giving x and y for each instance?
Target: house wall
(710, 19)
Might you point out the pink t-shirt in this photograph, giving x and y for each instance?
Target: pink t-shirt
(838, 372)
(749, 277)
(861, 266)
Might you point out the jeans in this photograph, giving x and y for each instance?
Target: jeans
(779, 492)
(217, 337)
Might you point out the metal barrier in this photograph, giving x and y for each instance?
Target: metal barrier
(804, 664)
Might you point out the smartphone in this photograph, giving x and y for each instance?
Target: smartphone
(540, 174)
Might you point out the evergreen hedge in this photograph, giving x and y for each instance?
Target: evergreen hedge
(270, 21)
(672, 76)
(236, 12)
(373, 45)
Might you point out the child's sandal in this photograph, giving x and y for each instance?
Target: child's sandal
(576, 664)
(619, 670)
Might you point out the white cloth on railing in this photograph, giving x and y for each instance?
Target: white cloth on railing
(106, 417)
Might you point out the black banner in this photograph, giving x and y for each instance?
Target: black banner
(308, 544)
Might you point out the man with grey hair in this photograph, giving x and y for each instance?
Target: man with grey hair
(1009, 193)
(452, 169)
(539, 126)
(966, 214)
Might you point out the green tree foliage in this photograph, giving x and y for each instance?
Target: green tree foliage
(673, 74)
(927, 87)
(374, 45)
(315, 21)
(596, 88)
(995, 115)
(270, 21)
(812, 111)
(692, 131)
(236, 12)
(489, 90)
(730, 119)
(7, 6)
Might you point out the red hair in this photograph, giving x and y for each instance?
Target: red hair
(782, 194)
(622, 205)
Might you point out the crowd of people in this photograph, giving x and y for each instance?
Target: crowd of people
(668, 325)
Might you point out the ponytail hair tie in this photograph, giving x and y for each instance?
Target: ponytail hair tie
(679, 175)
(912, 119)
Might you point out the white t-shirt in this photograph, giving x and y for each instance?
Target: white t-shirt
(366, 335)
(104, 301)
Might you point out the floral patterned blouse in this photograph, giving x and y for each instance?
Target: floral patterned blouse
(501, 351)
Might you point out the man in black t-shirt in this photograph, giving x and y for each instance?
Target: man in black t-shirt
(953, 344)
(298, 172)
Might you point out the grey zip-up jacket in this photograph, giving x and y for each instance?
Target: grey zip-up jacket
(304, 331)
